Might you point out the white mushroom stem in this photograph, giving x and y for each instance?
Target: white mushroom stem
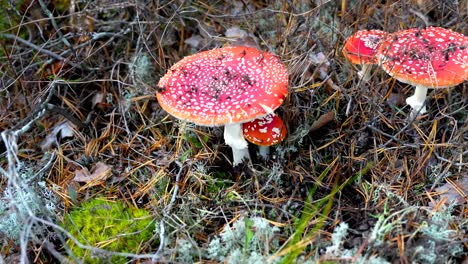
(264, 151)
(364, 73)
(234, 137)
(417, 100)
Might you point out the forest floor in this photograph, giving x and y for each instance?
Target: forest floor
(355, 181)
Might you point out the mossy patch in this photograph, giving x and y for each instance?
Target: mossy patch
(111, 226)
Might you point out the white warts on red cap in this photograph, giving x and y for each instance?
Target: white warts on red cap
(223, 86)
(433, 57)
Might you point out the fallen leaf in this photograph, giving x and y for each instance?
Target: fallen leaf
(240, 7)
(320, 60)
(98, 98)
(240, 37)
(247, 41)
(194, 41)
(235, 32)
(453, 192)
(99, 102)
(82, 175)
(322, 121)
(395, 99)
(66, 130)
(62, 130)
(98, 174)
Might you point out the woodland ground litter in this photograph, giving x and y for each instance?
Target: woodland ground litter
(354, 181)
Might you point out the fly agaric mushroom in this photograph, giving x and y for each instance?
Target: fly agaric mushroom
(265, 132)
(361, 48)
(426, 58)
(225, 87)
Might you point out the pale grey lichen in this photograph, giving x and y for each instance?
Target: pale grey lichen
(142, 70)
(437, 228)
(336, 250)
(338, 235)
(237, 245)
(22, 198)
(426, 253)
(184, 251)
(439, 243)
(216, 250)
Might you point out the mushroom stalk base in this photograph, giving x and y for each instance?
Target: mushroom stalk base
(234, 137)
(264, 151)
(417, 100)
(365, 72)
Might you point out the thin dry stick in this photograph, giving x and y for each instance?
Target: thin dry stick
(56, 27)
(40, 49)
(166, 211)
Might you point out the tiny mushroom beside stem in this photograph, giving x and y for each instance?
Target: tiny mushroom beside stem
(225, 87)
(432, 57)
(265, 132)
(361, 48)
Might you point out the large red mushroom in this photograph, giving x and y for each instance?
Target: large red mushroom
(361, 48)
(224, 87)
(433, 57)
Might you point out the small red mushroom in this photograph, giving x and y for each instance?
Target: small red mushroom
(264, 132)
(361, 48)
(433, 57)
(224, 87)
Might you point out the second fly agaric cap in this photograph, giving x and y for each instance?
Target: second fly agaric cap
(361, 47)
(432, 57)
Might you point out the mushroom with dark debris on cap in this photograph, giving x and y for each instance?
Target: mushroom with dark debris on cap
(265, 132)
(361, 48)
(225, 87)
(433, 57)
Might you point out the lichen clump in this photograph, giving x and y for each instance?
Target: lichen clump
(248, 240)
(111, 226)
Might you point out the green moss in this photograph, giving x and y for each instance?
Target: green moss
(108, 225)
(61, 6)
(10, 17)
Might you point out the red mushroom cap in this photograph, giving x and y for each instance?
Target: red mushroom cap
(362, 46)
(266, 131)
(224, 86)
(432, 57)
